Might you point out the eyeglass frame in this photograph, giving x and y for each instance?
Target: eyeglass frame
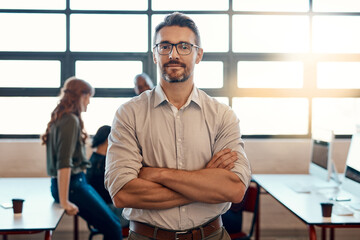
(172, 47)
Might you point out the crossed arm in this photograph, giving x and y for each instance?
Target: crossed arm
(162, 188)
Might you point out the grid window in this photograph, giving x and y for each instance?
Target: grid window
(108, 33)
(32, 32)
(33, 4)
(25, 115)
(338, 75)
(109, 74)
(265, 33)
(272, 116)
(336, 34)
(342, 117)
(270, 74)
(108, 5)
(336, 5)
(209, 74)
(279, 64)
(101, 111)
(33, 74)
(271, 5)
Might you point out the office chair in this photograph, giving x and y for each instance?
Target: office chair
(94, 231)
(250, 203)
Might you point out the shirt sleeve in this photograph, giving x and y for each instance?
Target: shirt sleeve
(123, 159)
(229, 136)
(67, 137)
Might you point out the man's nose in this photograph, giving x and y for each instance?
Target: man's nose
(174, 54)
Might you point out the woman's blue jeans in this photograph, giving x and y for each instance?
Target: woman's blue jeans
(91, 206)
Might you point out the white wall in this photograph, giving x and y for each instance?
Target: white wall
(26, 158)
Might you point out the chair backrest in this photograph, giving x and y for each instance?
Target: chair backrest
(250, 203)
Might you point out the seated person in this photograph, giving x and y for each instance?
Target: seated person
(95, 174)
(232, 219)
(142, 83)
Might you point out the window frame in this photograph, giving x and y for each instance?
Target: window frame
(229, 59)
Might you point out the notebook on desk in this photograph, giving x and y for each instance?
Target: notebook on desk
(322, 172)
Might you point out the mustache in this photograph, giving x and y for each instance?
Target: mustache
(174, 62)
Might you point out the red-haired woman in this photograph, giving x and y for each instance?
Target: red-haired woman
(66, 160)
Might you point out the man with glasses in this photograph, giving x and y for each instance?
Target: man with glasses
(176, 159)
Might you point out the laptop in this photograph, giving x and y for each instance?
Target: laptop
(322, 170)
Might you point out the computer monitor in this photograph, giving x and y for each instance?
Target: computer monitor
(351, 180)
(321, 162)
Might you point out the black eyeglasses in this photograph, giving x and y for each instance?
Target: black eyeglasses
(181, 48)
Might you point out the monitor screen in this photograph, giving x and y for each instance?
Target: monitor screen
(320, 153)
(353, 160)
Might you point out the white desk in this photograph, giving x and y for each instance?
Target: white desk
(306, 206)
(40, 212)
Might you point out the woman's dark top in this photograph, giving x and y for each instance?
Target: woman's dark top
(64, 148)
(95, 175)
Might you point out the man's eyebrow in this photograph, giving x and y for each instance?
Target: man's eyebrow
(174, 43)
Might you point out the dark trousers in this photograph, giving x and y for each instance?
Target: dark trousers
(91, 206)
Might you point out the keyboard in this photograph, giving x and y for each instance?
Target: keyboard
(341, 210)
(301, 187)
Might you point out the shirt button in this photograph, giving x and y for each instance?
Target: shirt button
(179, 139)
(183, 209)
(177, 117)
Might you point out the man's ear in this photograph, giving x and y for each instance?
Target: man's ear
(154, 58)
(199, 55)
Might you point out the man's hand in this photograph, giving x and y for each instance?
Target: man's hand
(223, 159)
(149, 173)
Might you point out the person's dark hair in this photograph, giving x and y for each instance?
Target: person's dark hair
(181, 20)
(69, 102)
(146, 78)
(101, 136)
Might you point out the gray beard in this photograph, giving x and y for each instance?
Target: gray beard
(167, 78)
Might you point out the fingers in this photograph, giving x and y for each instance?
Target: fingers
(71, 209)
(223, 159)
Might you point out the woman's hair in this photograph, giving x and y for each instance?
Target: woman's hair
(101, 136)
(69, 102)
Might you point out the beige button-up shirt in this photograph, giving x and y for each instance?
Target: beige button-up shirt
(149, 131)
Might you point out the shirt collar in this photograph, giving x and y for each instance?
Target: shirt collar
(160, 96)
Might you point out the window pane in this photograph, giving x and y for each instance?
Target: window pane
(270, 74)
(224, 100)
(338, 75)
(270, 33)
(336, 34)
(338, 114)
(272, 116)
(109, 5)
(336, 5)
(109, 33)
(201, 5)
(209, 74)
(32, 32)
(211, 41)
(109, 74)
(271, 5)
(33, 4)
(27, 74)
(104, 107)
(36, 110)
